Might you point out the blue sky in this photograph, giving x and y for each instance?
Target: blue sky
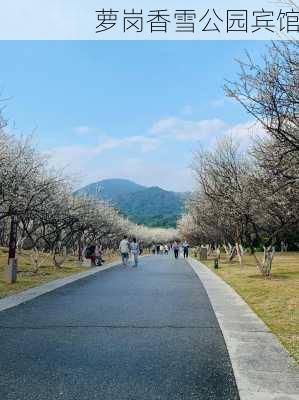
(131, 109)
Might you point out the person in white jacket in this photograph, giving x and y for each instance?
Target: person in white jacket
(135, 251)
(124, 249)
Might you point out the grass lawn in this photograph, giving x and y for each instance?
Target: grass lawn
(26, 279)
(275, 300)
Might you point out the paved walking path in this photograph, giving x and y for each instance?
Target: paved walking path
(123, 334)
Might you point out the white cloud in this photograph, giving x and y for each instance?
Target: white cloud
(82, 130)
(178, 129)
(142, 143)
(78, 158)
(72, 158)
(83, 161)
(244, 133)
(218, 102)
(85, 130)
(202, 130)
(221, 102)
(182, 129)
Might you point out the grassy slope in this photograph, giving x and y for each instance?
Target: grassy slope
(46, 273)
(275, 300)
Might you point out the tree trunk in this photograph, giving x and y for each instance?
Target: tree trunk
(265, 266)
(208, 246)
(20, 244)
(58, 264)
(79, 250)
(231, 252)
(240, 252)
(38, 259)
(284, 247)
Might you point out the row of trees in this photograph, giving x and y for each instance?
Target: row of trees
(38, 211)
(251, 198)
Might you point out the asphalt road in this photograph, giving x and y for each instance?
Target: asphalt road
(123, 334)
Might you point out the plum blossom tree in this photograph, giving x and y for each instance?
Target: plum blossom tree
(47, 218)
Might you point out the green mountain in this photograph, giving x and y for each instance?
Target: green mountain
(151, 206)
(109, 189)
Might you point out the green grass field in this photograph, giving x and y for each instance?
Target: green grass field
(275, 300)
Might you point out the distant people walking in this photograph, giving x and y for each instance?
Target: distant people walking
(176, 249)
(166, 249)
(135, 251)
(186, 249)
(90, 253)
(124, 250)
(140, 248)
(154, 248)
(158, 246)
(98, 256)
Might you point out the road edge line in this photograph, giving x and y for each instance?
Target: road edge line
(30, 294)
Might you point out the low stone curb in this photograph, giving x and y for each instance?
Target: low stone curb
(262, 367)
(30, 294)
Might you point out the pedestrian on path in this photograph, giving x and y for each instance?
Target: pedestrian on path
(90, 254)
(135, 251)
(186, 249)
(158, 247)
(176, 249)
(166, 249)
(124, 250)
(154, 248)
(140, 248)
(98, 256)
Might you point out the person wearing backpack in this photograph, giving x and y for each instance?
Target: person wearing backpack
(90, 253)
(124, 250)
